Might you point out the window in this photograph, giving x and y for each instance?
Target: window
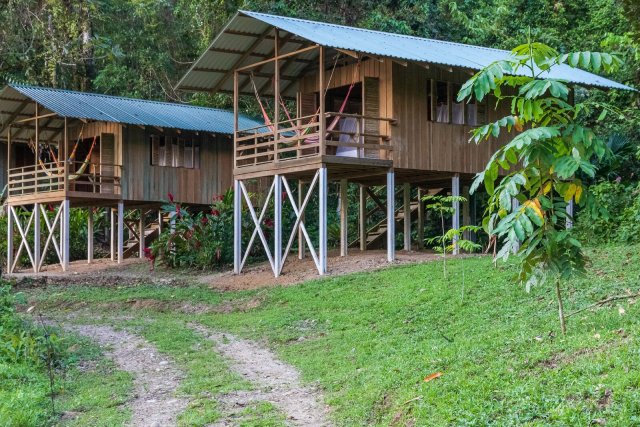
(175, 152)
(457, 110)
(442, 102)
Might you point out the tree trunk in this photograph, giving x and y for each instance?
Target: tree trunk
(563, 326)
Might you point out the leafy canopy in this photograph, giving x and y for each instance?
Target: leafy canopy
(542, 163)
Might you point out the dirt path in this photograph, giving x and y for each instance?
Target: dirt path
(155, 376)
(275, 381)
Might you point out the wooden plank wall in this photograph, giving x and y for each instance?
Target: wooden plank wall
(425, 145)
(143, 182)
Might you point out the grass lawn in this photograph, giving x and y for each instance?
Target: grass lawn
(370, 339)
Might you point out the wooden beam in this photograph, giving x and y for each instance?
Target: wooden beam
(243, 56)
(21, 108)
(273, 52)
(283, 56)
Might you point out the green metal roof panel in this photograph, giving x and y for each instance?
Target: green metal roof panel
(91, 106)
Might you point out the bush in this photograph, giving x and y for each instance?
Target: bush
(618, 216)
(197, 239)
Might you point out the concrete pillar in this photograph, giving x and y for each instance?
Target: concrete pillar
(141, 237)
(420, 219)
(362, 223)
(570, 209)
(466, 218)
(90, 236)
(112, 233)
(322, 225)
(391, 217)
(277, 224)
(237, 226)
(301, 242)
(10, 239)
(406, 199)
(120, 231)
(37, 252)
(65, 234)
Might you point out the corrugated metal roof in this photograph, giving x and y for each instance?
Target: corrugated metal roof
(92, 106)
(406, 48)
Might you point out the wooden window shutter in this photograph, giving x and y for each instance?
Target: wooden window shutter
(168, 151)
(155, 148)
(196, 154)
(308, 104)
(372, 109)
(107, 162)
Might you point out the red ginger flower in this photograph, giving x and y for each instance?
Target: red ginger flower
(170, 197)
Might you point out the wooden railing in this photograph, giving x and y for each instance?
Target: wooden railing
(50, 177)
(300, 137)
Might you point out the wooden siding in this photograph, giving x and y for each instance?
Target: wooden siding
(426, 145)
(146, 183)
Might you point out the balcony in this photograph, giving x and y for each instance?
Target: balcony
(46, 181)
(349, 138)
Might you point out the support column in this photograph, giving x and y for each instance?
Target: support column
(570, 209)
(120, 231)
(37, 252)
(322, 224)
(65, 234)
(237, 226)
(455, 220)
(112, 232)
(420, 219)
(466, 218)
(160, 223)
(301, 247)
(90, 236)
(406, 194)
(344, 231)
(391, 217)
(10, 239)
(362, 224)
(141, 237)
(277, 224)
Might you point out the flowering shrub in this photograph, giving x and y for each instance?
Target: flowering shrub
(202, 239)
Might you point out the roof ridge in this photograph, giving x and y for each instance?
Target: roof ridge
(150, 101)
(407, 36)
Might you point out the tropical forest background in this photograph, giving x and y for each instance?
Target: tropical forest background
(140, 48)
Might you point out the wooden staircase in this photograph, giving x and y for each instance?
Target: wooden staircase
(131, 247)
(376, 234)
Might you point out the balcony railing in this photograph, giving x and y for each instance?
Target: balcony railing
(346, 135)
(97, 178)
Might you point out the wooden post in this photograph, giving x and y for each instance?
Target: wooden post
(112, 232)
(277, 224)
(406, 194)
(455, 220)
(90, 235)
(276, 94)
(160, 221)
(391, 217)
(322, 225)
(344, 231)
(301, 242)
(36, 151)
(362, 224)
(36, 238)
(65, 147)
(237, 226)
(420, 219)
(65, 234)
(141, 236)
(321, 89)
(10, 239)
(120, 230)
(235, 119)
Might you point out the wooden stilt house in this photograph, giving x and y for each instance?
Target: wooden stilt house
(67, 149)
(349, 104)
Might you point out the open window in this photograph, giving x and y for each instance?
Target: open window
(442, 102)
(457, 110)
(175, 152)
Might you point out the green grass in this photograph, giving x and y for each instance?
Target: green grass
(369, 339)
(89, 391)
